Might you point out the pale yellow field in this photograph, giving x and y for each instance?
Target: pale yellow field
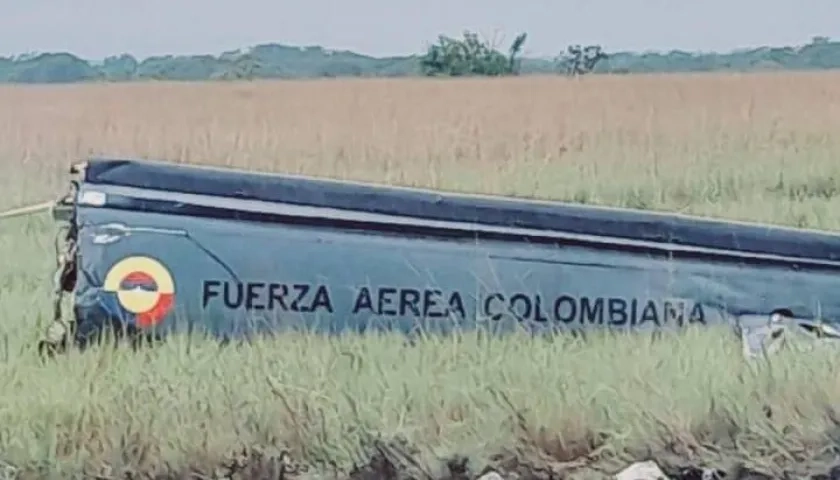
(758, 147)
(753, 147)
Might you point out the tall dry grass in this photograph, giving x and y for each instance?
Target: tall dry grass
(757, 147)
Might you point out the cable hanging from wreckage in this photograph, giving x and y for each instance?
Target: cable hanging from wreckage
(163, 249)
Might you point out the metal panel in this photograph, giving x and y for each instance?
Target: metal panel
(227, 184)
(243, 265)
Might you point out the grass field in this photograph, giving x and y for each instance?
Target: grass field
(752, 147)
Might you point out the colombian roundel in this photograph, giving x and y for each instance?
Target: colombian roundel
(143, 287)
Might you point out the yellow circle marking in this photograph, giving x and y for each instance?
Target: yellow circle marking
(139, 301)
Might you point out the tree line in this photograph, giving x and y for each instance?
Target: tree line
(469, 55)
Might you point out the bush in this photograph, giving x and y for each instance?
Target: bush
(471, 57)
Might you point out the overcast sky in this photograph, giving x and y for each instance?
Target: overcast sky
(95, 29)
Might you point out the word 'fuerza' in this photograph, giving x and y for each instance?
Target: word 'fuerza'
(395, 301)
(288, 297)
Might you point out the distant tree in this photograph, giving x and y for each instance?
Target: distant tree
(119, 68)
(581, 60)
(470, 56)
(514, 51)
(53, 68)
(239, 67)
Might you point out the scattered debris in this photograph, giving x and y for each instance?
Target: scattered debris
(491, 475)
(762, 336)
(7, 471)
(393, 461)
(648, 470)
(698, 473)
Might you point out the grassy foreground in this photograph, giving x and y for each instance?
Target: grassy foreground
(582, 407)
(747, 147)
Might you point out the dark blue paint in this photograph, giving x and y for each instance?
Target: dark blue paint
(243, 260)
(627, 224)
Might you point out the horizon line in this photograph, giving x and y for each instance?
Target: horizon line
(302, 48)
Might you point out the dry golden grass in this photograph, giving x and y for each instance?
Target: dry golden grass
(756, 147)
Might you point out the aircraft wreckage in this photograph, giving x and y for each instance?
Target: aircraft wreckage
(153, 248)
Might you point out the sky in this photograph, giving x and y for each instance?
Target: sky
(94, 29)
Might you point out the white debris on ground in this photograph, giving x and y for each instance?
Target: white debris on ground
(491, 475)
(642, 471)
(762, 336)
(759, 341)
